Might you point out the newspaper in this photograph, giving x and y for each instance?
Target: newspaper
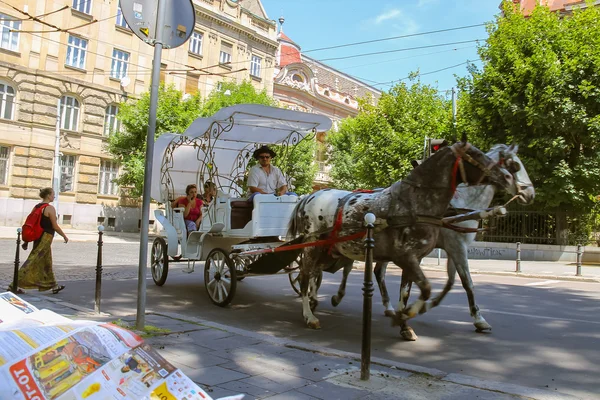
(44, 355)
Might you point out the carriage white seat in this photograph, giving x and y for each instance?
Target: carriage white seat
(218, 149)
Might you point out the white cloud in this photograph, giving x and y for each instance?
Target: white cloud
(388, 15)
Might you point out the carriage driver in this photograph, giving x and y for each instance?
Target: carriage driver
(265, 178)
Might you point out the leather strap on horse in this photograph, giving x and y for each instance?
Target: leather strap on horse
(339, 217)
(323, 242)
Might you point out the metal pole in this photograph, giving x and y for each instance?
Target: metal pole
(454, 107)
(579, 254)
(518, 266)
(365, 355)
(15, 282)
(140, 321)
(439, 256)
(56, 172)
(99, 271)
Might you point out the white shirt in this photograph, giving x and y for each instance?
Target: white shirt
(257, 177)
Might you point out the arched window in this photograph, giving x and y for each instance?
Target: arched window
(298, 78)
(69, 113)
(111, 123)
(7, 101)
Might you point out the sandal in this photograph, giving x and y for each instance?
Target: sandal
(57, 288)
(18, 291)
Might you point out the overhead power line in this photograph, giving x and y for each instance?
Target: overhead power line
(399, 50)
(393, 38)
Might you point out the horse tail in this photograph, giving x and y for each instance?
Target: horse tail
(295, 224)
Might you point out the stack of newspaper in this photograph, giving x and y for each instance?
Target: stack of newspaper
(44, 355)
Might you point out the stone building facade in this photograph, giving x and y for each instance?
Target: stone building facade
(305, 84)
(68, 83)
(564, 7)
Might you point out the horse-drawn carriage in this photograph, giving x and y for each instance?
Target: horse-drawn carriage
(218, 149)
(238, 237)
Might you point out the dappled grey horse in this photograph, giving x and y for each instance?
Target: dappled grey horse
(408, 216)
(456, 243)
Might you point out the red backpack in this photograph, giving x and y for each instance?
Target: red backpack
(32, 229)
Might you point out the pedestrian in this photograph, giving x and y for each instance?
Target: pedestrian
(36, 272)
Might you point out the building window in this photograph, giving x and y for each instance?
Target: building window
(225, 55)
(9, 40)
(4, 152)
(120, 19)
(298, 78)
(191, 84)
(111, 123)
(67, 172)
(69, 113)
(76, 52)
(84, 6)
(7, 101)
(196, 43)
(106, 182)
(119, 64)
(255, 66)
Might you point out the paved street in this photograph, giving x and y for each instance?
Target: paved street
(545, 331)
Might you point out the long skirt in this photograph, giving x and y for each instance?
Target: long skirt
(36, 272)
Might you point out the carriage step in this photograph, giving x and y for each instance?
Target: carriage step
(188, 270)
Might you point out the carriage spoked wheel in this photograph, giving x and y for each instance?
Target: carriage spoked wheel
(294, 276)
(220, 277)
(159, 261)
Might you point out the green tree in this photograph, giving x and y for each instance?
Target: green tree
(540, 87)
(128, 146)
(375, 148)
(175, 114)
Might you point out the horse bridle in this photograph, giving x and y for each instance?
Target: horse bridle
(460, 152)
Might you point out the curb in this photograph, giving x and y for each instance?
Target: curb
(459, 379)
(520, 275)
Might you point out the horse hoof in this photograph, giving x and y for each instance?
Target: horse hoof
(482, 326)
(335, 300)
(314, 324)
(408, 334)
(390, 313)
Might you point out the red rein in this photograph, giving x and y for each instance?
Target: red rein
(454, 173)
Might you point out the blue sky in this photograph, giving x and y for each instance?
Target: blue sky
(314, 24)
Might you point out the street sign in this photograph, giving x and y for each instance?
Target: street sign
(178, 20)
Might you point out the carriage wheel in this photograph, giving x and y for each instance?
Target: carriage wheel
(294, 276)
(159, 264)
(220, 277)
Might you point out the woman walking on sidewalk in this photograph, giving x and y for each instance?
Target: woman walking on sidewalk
(36, 272)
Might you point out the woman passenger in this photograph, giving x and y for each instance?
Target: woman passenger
(192, 214)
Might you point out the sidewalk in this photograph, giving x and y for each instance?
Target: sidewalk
(226, 360)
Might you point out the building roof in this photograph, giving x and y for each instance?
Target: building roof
(339, 81)
(289, 50)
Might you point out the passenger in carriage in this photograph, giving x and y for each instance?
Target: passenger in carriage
(192, 214)
(265, 178)
(210, 192)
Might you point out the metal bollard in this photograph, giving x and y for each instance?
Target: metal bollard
(365, 355)
(579, 257)
(15, 282)
(99, 271)
(439, 255)
(518, 267)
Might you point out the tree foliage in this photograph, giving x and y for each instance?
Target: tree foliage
(175, 114)
(540, 87)
(375, 148)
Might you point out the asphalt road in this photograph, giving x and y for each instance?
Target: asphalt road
(546, 333)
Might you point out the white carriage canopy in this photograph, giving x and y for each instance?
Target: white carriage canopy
(218, 148)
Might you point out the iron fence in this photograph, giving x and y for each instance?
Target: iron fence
(555, 227)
